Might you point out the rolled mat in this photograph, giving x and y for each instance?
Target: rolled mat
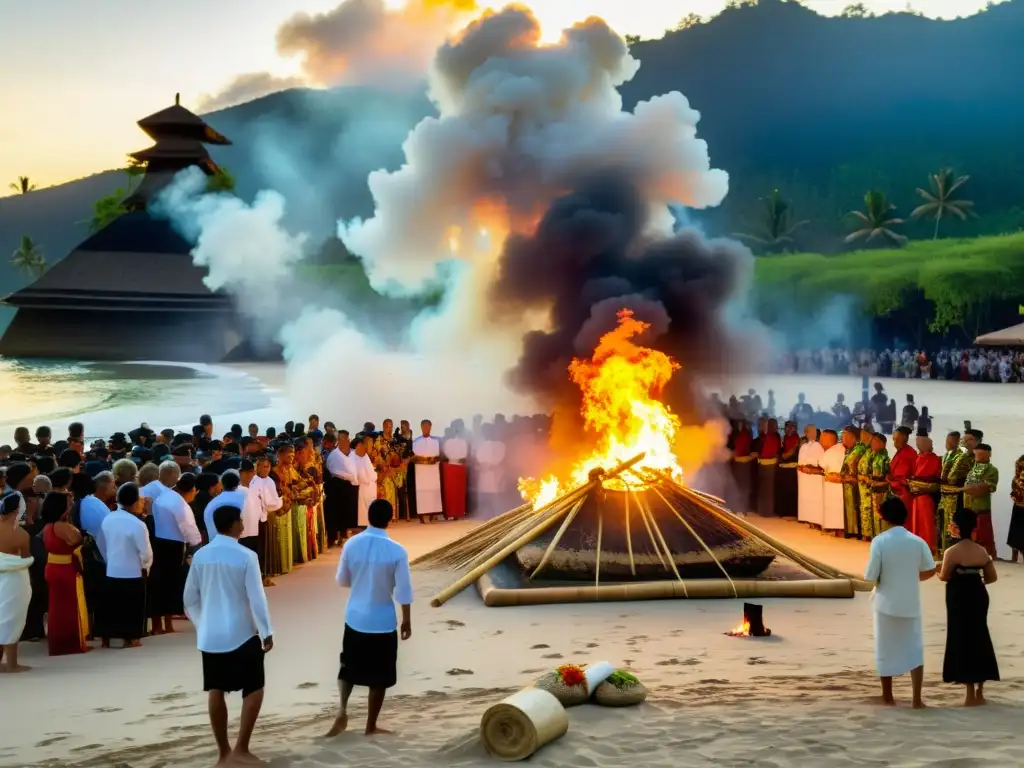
(518, 726)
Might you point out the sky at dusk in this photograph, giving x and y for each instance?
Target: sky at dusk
(78, 75)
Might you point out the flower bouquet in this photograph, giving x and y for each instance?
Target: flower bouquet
(621, 689)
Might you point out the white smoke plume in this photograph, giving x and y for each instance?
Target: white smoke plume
(519, 123)
(359, 42)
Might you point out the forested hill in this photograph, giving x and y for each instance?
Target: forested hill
(823, 108)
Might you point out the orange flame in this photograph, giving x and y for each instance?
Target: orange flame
(620, 383)
(743, 630)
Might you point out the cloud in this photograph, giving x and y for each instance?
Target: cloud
(246, 87)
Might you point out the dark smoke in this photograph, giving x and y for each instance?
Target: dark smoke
(590, 257)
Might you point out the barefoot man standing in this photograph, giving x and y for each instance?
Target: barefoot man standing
(225, 600)
(15, 586)
(377, 570)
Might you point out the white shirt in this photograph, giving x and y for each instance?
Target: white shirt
(234, 498)
(377, 569)
(490, 456)
(91, 514)
(262, 493)
(224, 596)
(340, 465)
(896, 560)
(456, 449)
(125, 545)
(153, 490)
(173, 520)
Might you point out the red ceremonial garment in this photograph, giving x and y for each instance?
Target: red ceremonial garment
(901, 469)
(67, 622)
(927, 468)
(790, 447)
(770, 445)
(742, 443)
(453, 490)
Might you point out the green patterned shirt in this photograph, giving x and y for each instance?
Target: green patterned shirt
(981, 473)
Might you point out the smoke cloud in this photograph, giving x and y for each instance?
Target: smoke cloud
(359, 42)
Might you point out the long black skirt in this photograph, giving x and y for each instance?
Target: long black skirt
(744, 475)
(348, 506)
(970, 657)
(1015, 538)
(766, 489)
(165, 588)
(369, 660)
(122, 614)
(786, 492)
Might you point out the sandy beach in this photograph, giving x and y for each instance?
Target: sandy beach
(800, 698)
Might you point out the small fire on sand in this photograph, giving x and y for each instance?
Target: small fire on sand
(753, 623)
(620, 384)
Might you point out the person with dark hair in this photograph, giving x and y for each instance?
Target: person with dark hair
(232, 495)
(128, 554)
(341, 510)
(15, 582)
(879, 481)
(901, 469)
(174, 531)
(898, 562)
(924, 489)
(1015, 536)
(426, 459)
(263, 492)
(285, 523)
(70, 459)
(206, 426)
(23, 441)
(43, 438)
(207, 488)
(271, 433)
(967, 568)
(225, 600)
(314, 430)
(68, 616)
(376, 568)
(981, 483)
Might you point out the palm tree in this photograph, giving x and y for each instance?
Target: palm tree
(29, 258)
(940, 201)
(776, 228)
(876, 221)
(22, 186)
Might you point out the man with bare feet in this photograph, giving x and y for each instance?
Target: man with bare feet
(15, 586)
(224, 599)
(377, 570)
(898, 562)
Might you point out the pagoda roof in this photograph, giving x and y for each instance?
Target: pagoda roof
(176, 121)
(137, 262)
(173, 149)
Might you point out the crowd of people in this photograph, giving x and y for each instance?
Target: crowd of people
(97, 542)
(985, 364)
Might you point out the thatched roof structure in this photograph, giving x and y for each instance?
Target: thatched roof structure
(1007, 337)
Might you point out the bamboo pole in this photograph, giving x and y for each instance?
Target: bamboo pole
(485, 564)
(629, 538)
(664, 544)
(557, 537)
(468, 538)
(597, 555)
(650, 533)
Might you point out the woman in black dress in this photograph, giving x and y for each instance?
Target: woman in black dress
(966, 568)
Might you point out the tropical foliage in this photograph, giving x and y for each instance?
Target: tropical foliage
(939, 201)
(28, 258)
(876, 221)
(22, 186)
(222, 181)
(948, 288)
(777, 228)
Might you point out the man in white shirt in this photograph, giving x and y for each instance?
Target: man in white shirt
(490, 459)
(225, 600)
(833, 518)
(150, 492)
(174, 529)
(263, 492)
(426, 457)
(232, 495)
(127, 552)
(343, 490)
(377, 570)
(899, 561)
(810, 478)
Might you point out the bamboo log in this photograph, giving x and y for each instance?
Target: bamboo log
(469, 537)
(485, 563)
(709, 589)
(557, 537)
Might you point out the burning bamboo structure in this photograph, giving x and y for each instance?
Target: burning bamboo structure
(656, 539)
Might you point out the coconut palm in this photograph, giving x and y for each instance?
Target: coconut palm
(28, 258)
(940, 201)
(876, 220)
(22, 186)
(777, 229)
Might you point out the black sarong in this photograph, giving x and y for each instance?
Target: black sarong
(165, 588)
(348, 505)
(122, 614)
(1015, 537)
(786, 491)
(239, 670)
(744, 475)
(370, 660)
(766, 489)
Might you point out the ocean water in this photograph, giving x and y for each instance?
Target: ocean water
(112, 397)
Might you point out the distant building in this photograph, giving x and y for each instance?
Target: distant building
(131, 290)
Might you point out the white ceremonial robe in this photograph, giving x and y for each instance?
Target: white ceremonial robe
(810, 502)
(456, 449)
(15, 594)
(428, 476)
(490, 455)
(833, 516)
(366, 477)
